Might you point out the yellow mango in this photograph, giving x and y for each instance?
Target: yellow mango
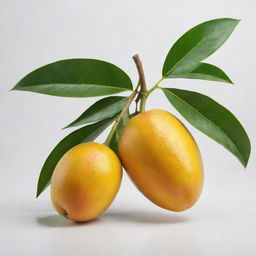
(162, 159)
(85, 181)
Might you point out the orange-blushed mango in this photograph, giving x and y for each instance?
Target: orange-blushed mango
(85, 181)
(162, 159)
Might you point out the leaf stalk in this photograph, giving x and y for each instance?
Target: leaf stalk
(156, 86)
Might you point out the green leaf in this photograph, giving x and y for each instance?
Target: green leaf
(100, 110)
(213, 119)
(76, 78)
(84, 134)
(197, 44)
(114, 142)
(205, 71)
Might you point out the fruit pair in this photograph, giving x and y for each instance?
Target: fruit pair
(158, 153)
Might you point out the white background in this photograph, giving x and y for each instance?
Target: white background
(34, 33)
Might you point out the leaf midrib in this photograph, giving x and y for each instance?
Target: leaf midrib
(200, 74)
(183, 58)
(37, 85)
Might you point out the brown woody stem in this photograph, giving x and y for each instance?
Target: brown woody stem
(120, 117)
(143, 86)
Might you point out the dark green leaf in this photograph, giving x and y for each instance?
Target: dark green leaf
(100, 110)
(84, 134)
(76, 78)
(205, 71)
(114, 142)
(197, 44)
(212, 119)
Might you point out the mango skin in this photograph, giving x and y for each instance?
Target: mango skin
(162, 159)
(85, 181)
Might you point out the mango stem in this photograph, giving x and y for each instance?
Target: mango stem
(143, 86)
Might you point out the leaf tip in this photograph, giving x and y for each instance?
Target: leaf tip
(68, 126)
(38, 193)
(40, 188)
(229, 81)
(245, 163)
(236, 20)
(13, 89)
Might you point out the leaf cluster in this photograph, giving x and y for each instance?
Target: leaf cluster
(91, 78)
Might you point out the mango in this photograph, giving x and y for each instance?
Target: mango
(162, 159)
(85, 181)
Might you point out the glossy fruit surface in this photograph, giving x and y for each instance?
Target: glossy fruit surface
(85, 181)
(162, 159)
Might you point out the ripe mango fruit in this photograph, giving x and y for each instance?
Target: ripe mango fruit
(162, 159)
(85, 181)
